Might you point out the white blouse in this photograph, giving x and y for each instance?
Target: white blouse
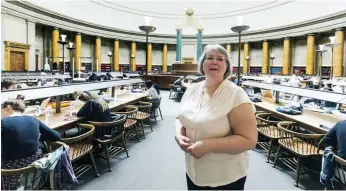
(210, 120)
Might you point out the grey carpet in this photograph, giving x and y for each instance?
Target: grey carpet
(157, 163)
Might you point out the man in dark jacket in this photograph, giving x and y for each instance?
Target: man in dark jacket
(336, 137)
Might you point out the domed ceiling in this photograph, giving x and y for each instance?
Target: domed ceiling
(216, 17)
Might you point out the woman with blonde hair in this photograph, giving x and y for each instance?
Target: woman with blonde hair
(216, 126)
(94, 109)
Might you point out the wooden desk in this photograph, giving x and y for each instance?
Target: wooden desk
(163, 80)
(309, 119)
(57, 121)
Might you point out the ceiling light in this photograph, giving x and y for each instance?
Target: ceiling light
(63, 37)
(147, 21)
(332, 39)
(240, 20)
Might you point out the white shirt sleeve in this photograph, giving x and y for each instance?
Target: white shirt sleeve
(239, 98)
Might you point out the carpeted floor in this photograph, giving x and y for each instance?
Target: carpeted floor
(157, 163)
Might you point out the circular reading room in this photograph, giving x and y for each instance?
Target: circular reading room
(173, 95)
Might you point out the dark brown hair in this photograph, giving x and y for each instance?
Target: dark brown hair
(6, 83)
(16, 104)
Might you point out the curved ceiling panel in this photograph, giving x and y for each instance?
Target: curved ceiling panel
(216, 16)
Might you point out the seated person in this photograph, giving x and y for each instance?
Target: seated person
(94, 109)
(296, 79)
(94, 77)
(8, 84)
(20, 137)
(336, 137)
(55, 66)
(125, 77)
(152, 92)
(157, 87)
(108, 76)
(61, 82)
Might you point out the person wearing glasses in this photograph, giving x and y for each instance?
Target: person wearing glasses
(216, 126)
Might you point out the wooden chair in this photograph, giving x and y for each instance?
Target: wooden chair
(131, 122)
(32, 179)
(143, 114)
(155, 109)
(302, 145)
(107, 133)
(267, 126)
(171, 86)
(341, 171)
(177, 92)
(81, 145)
(257, 112)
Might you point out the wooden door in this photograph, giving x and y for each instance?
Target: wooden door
(17, 61)
(36, 62)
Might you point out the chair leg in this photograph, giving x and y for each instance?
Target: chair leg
(277, 156)
(94, 164)
(142, 125)
(107, 155)
(151, 127)
(155, 115)
(124, 145)
(137, 134)
(298, 172)
(170, 92)
(125, 133)
(269, 150)
(160, 113)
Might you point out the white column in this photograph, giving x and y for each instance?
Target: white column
(30, 33)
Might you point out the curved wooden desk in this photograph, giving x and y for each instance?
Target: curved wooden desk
(163, 80)
(57, 122)
(309, 119)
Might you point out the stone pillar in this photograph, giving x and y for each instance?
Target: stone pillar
(310, 54)
(178, 46)
(31, 40)
(228, 48)
(164, 58)
(246, 65)
(265, 58)
(338, 54)
(199, 44)
(149, 56)
(116, 55)
(78, 51)
(133, 57)
(98, 54)
(287, 57)
(55, 46)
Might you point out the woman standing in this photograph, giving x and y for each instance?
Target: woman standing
(216, 126)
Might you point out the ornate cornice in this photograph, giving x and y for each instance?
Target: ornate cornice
(29, 11)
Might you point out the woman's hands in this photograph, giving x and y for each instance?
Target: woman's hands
(183, 142)
(197, 149)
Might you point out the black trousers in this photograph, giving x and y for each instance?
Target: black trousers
(237, 185)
